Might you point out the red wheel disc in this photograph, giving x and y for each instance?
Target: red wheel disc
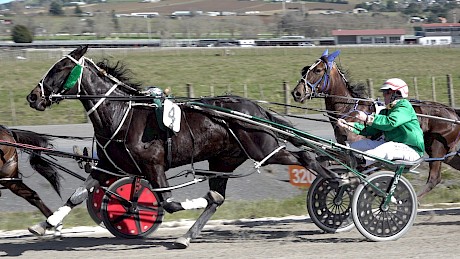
(137, 220)
(94, 201)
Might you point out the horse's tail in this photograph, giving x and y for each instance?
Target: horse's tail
(39, 164)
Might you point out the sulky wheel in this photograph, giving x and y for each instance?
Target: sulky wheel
(130, 209)
(384, 223)
(94, 201)
(329, 206)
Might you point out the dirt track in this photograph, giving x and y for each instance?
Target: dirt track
(432, 236)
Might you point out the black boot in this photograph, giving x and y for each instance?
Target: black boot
(171, 206)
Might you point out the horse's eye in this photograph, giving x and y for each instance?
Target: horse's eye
(318, 70)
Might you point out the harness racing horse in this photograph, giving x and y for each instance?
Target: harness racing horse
(10, 176)
(130, 139)
(325, 79)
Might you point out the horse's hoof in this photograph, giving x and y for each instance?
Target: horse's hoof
(182, 242)
(58, 231)
(216, 197)
(57, 235)
(172, 206)
(39, 229)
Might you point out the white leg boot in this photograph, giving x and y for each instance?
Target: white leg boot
(58, 215)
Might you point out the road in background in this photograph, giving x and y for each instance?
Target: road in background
(270, 183)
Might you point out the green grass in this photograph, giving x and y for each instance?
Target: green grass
(261, 70)
(230, 210)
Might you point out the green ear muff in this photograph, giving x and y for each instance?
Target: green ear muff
(73, 77)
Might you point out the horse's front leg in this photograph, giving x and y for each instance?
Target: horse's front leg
(168, 203)
(55, 220)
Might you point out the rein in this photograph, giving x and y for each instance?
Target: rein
(73, 74)
(75, 79)
(325, 78)
(323, 92)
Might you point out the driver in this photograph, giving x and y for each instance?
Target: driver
(403, 137)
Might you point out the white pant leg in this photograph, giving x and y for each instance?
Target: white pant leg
(392, 151)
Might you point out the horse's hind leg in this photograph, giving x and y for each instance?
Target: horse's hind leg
(214, 201)
(215, 198)
(22, 190)
(454, 161)
(434, 177)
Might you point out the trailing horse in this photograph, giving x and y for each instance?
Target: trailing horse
(130, 139)
(10, 177)
(325, 79)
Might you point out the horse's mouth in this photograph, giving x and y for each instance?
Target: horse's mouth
(297, 98)
(300, 99)
(36, 102)
(39, 105)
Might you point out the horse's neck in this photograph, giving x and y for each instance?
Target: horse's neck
(108, 115)
(339, 98)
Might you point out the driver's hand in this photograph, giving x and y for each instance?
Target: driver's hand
(346, 125)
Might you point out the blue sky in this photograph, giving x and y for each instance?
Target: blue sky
(5, 1)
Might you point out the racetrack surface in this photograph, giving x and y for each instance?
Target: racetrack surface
(435, 234)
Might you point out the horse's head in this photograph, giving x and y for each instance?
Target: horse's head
(61, 78)
(315, 79)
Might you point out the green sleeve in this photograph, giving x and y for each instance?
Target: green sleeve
(396, 117)
(364, 130)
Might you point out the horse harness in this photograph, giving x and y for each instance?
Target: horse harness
(74, 79)
(103, 142)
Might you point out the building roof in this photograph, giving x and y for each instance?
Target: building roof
(368, 32)
(439, 25)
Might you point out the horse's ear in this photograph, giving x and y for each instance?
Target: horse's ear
(325, 53)
(331, 57)
(79, 52)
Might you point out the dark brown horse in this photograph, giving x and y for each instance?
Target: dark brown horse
(325, 79)
(131, 140)
(11, 178)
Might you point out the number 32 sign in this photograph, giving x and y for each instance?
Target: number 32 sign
(300, 176)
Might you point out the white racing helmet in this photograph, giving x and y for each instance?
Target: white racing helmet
(396, 84)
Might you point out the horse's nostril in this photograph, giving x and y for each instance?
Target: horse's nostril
(32, 97)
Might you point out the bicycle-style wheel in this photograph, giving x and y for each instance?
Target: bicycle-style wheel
(330, 207)
(384, 223)
(130, 209)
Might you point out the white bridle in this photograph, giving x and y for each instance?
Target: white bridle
(81, 62)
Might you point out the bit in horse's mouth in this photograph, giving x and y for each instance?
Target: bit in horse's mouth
(302, 100)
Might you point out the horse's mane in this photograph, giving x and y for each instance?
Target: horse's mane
(357, 90)
(119, 71)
